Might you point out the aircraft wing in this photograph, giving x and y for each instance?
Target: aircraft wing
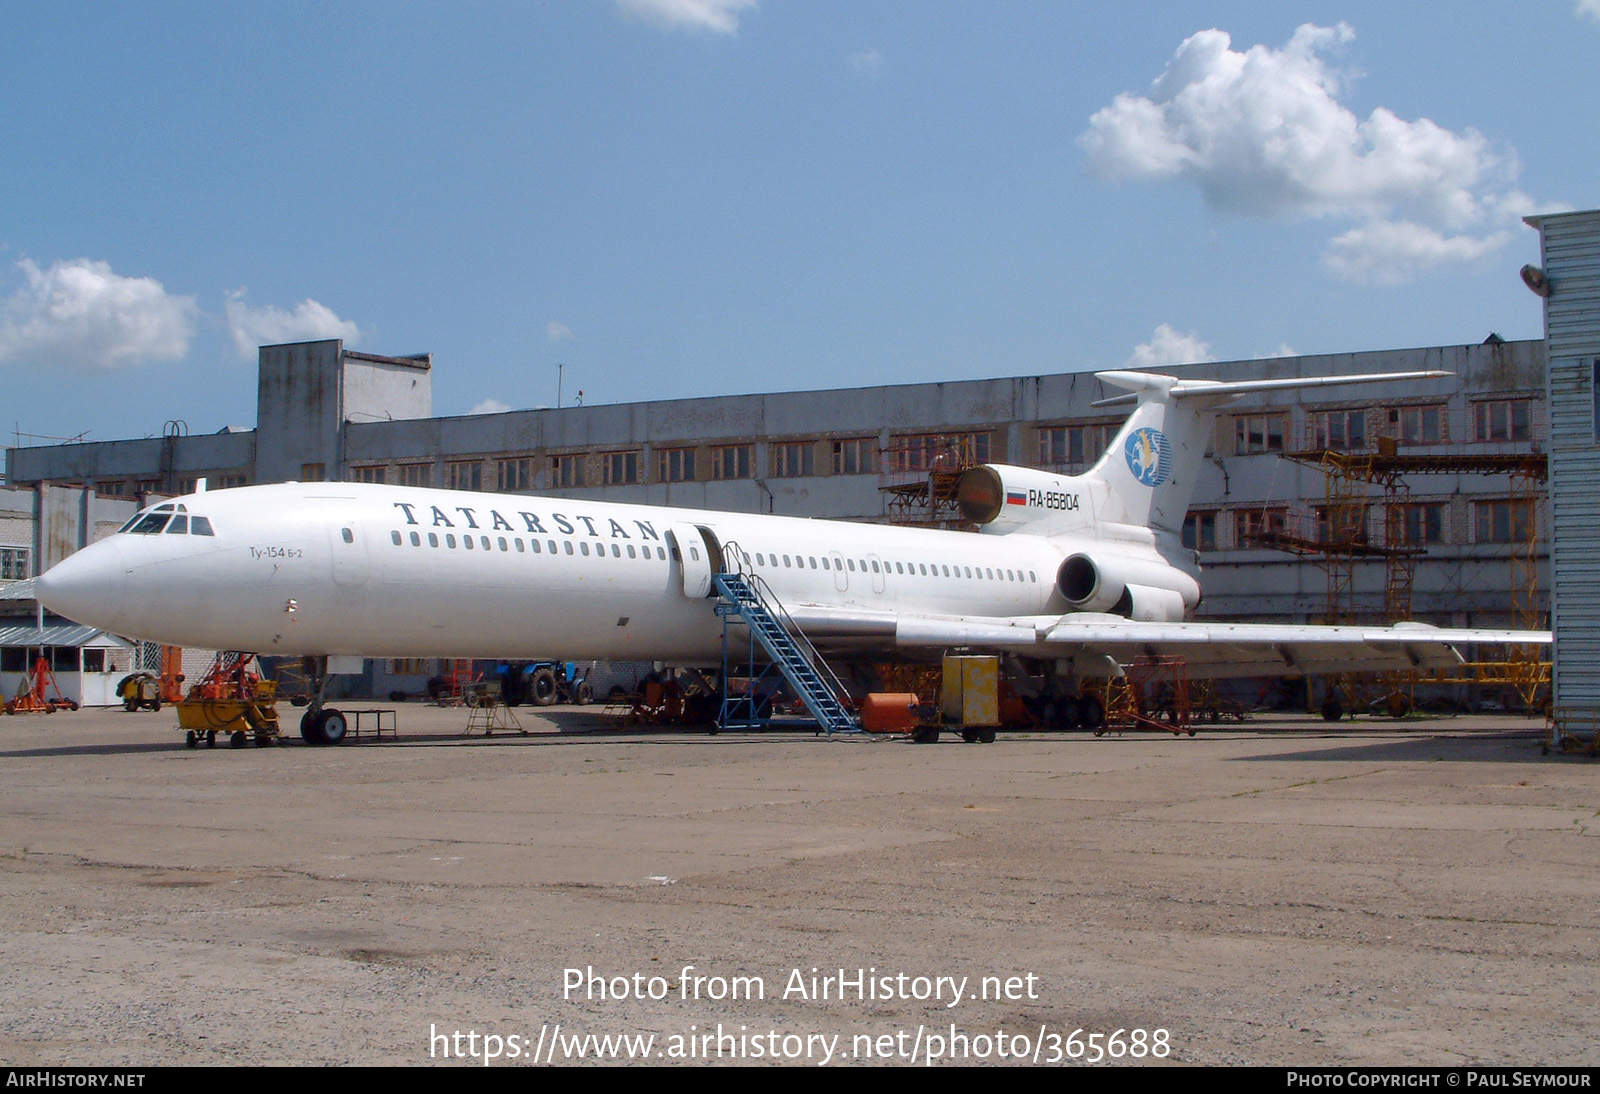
(1099, 643)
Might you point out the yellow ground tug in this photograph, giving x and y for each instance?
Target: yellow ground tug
(231, 700)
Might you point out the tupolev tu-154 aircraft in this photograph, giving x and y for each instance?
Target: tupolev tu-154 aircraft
(1072, 575)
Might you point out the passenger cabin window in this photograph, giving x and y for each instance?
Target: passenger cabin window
(349, 537)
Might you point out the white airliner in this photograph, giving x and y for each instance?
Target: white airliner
(1074, 575)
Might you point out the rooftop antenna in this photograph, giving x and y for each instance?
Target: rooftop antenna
(560, 368)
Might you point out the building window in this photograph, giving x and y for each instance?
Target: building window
(1342, 525)
(938, 451)
(14, 563)
(1503, 521)
(1418, 424)
(732, 461)
(515, 475)
(675, 465)
(858, 456)
(793, 459)
(110, 489)
(1248, 524)
(312, 472)
(1200, 531)
(464, 475)
(1503, 420)
(1256, 433)
(1064, 446)
(229, 482)
(620, 468)
(1343, 430)
(410, 666)
(376, 473)
(416, 474)
(566, 471)
(1420, 523)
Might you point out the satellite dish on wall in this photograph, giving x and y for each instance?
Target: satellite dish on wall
(1534, 278)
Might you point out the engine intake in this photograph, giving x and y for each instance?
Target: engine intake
(1148, 591)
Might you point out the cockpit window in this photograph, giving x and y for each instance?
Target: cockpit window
(150, 524)
(200, 526)
(179, 526)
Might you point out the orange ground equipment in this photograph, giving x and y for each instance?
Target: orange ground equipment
(39, 693)
(890, 712)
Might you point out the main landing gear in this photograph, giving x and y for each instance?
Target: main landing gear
(320, 725)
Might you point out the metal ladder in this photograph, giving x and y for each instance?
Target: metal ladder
(788, 648)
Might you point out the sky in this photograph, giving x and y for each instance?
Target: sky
(673, 198)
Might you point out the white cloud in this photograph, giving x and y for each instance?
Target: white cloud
(80, 314)
(720, 16)
(1262, 132)
(558, 331)
(490, 406)
(310, 321)
(1391, 252)
(1168, 347)
(869, 62)
(1589, 9)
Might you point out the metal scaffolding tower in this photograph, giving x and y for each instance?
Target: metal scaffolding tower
(1343, 537)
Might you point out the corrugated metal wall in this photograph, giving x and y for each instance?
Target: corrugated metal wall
(1571, 249)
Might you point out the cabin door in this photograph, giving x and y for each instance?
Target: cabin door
(699, 555)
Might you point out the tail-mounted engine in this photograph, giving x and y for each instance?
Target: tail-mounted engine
(1147, 591)
(1018, 499)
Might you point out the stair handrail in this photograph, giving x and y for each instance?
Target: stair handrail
(770, 600)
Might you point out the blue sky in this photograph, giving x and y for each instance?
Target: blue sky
(684, 197)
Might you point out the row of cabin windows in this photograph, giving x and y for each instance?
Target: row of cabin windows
(515, 544)
(925, 569)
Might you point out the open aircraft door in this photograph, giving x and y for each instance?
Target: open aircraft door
(695, 547)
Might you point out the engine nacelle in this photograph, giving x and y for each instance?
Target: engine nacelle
(1012, 499)
(1145, 590)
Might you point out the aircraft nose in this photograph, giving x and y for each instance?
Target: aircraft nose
(87, 587)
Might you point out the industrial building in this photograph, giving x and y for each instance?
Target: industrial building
(1451, 540)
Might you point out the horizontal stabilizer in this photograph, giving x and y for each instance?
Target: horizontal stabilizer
(1175, 388)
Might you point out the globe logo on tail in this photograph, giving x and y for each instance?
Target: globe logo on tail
(1149, 456)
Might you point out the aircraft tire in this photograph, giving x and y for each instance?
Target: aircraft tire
(514, 689)
(311, 728)
(542, 687)
(333, 727)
